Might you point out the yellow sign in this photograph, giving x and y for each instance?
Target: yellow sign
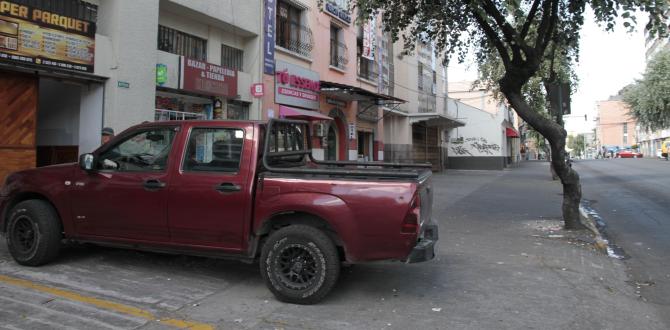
(34, 36)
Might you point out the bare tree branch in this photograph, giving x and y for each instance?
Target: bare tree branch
(529, 20)
(491, 34)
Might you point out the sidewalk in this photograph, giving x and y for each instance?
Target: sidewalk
(511, 266)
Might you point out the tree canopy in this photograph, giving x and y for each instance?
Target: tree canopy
(649, 98)
(519, 32)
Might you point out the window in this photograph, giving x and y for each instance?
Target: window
(420, 76)
(334, 40)
(180, 43)
(145, 151)
(366, 68)
(231, 57)
(238, 110)
(291, 34)
(214, 150)
(338, 51)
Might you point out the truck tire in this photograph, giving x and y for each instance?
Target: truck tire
(33, 233)
(299, 264)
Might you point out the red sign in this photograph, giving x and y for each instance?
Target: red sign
(257, 90)
(206, 78)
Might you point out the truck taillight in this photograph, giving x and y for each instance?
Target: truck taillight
(410, 225)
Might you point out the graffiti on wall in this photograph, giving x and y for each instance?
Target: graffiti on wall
(481, 145)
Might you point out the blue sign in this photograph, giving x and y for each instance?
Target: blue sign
(269, 37)
(334, 10)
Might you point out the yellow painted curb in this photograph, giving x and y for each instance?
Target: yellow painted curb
(104, 304)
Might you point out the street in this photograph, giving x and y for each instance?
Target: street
(632, 196)
(503, 262)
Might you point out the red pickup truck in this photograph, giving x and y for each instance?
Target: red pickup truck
(228, 189)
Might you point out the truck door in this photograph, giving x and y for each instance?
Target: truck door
(210, 199)
(126, 197)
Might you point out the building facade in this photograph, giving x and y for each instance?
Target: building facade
(614, 126)
(323, 65)
(417, 129)
(70, 67)
(650, 141)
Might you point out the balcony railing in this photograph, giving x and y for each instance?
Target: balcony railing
(295, 37)
(367, 69)
(339, 55)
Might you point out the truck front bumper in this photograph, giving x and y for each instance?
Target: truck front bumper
(424, 249)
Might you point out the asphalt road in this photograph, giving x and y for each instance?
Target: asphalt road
(633, 197)
(503, 262)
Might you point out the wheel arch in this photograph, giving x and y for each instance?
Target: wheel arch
(25, 196)
(288, 218)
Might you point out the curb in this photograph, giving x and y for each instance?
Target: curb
(592, 220)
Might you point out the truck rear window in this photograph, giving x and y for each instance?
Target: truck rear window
(214, 150)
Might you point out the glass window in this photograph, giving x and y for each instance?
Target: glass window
(214, 150)
(145, 151)
(238, 110)
(231, 57)
(180, 43)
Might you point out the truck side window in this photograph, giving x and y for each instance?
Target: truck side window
(145, 151)
(214, 150)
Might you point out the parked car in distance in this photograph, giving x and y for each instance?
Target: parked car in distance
(628, 153)
(244, 190)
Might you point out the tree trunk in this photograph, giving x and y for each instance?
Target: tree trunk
(556, 135)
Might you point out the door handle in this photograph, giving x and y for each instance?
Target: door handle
(228, 187)
(154, 184)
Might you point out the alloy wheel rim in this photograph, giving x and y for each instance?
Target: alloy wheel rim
(296, 267)
(24, 234)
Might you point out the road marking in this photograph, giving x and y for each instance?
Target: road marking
(105, 304)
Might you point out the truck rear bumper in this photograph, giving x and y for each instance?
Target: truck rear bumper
(425, 246)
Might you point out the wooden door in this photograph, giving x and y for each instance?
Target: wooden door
(18, 112)
(425, 145)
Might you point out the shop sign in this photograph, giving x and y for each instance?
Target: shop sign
(161, 74)
(123, 84)
(296, 86)
(352, 131)
(369, 39)
(208, 79)
(257, 90)
(269, 31)
(339, 9)
(30, 35)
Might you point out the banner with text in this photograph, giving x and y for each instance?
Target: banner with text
(35, 36)
(208, 79)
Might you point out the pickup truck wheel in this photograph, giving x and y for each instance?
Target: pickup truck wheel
(33, 233)
(299, 264)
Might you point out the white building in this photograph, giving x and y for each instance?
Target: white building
(117, 63)
(488, 140)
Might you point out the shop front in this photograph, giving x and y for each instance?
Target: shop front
(51, 102)
(357, 127)
(296, 96)
(188, 89)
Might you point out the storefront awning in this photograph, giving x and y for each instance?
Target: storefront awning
(353, 93)
(288, 112)
(435, 120)
(510, 132)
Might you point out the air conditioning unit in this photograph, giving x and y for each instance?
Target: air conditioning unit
(319, 130)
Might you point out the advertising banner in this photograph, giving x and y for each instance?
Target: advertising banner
(269, 31)
(208, 79)
(296, 86)
(34, 36)
(369, 40)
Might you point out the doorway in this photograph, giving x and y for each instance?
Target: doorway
(331, 143)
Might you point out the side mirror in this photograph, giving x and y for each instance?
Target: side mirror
(86, 162)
